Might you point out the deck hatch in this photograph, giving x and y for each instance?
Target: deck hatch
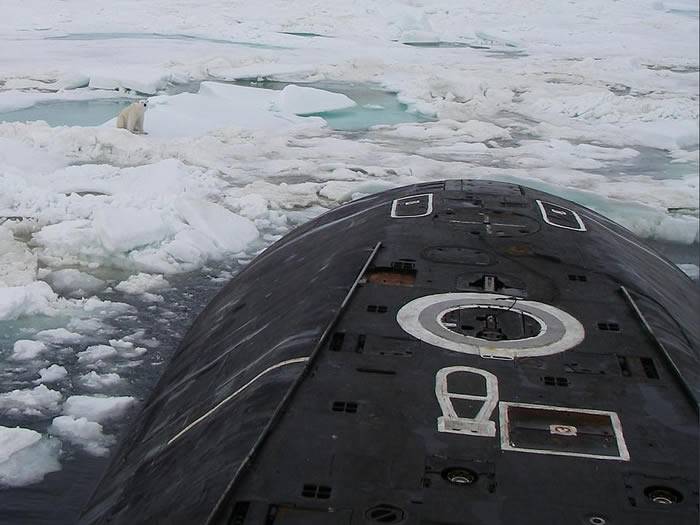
(562, 431)
(561, 217)
(412, 206)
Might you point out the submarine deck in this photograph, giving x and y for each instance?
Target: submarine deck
(461, 352)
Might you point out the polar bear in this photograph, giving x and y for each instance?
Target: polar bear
(131, 117)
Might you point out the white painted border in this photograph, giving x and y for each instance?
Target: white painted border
(545, 217)
(229, 398)
(395, 204)
(623, 453)
(408, 319)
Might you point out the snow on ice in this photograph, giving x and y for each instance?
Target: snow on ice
(25, 456)
(86, 434)
(98, 408)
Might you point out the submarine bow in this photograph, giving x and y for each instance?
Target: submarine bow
(448, 353)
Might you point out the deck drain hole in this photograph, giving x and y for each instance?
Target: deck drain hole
(460, 476)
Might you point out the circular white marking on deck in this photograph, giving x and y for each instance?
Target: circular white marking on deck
(422, 319)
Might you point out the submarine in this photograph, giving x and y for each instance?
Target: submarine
(461, 352)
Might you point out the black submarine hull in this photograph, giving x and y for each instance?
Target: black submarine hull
(448, 353)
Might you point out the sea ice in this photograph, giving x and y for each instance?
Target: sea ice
(58, 336)
(18, 265)
(86, 434)
(37, 401)
(142, 283)
(52, 374)
(26, 350)
(98, 408)
(691, 270)
(74, 282)
(96, 353)
(217, 106)
(31, 299)
(139, 79)
(126, 348)
(306, 101)
(229, 232)
(95, 381)
(26, 457)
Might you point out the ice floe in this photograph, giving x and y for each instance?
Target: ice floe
(26, 456)
(74, 282)
(26, 350)
(30, 402)
(306, 101)
(52, 374)
(98, 408)
(142, 283)
(94, 381)
(96, 354)
(58, 336)
(88, 435)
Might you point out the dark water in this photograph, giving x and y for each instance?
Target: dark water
(59, 498)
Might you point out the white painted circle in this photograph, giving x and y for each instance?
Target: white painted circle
(422, 319)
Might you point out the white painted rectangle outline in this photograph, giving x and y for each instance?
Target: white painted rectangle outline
(581, 226)
(395, 204)
(614, 419)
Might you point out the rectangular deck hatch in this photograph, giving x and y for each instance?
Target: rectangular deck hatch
(561, 217)
(562, 431)
(412, 206)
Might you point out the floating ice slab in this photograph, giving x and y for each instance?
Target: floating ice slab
(26, 457)
(18, 265)
(140, 79)
(222, 69)
(84, 433)
(95, 381)
(52, 374)
(37, 401)
(31, 299)
(217, 106)
(228, 231)
(142, 283)
(306, 101)
(126, 349)
(75, 283)
(58, 336)
(98, 408)
(26, 350)
(96, 353)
